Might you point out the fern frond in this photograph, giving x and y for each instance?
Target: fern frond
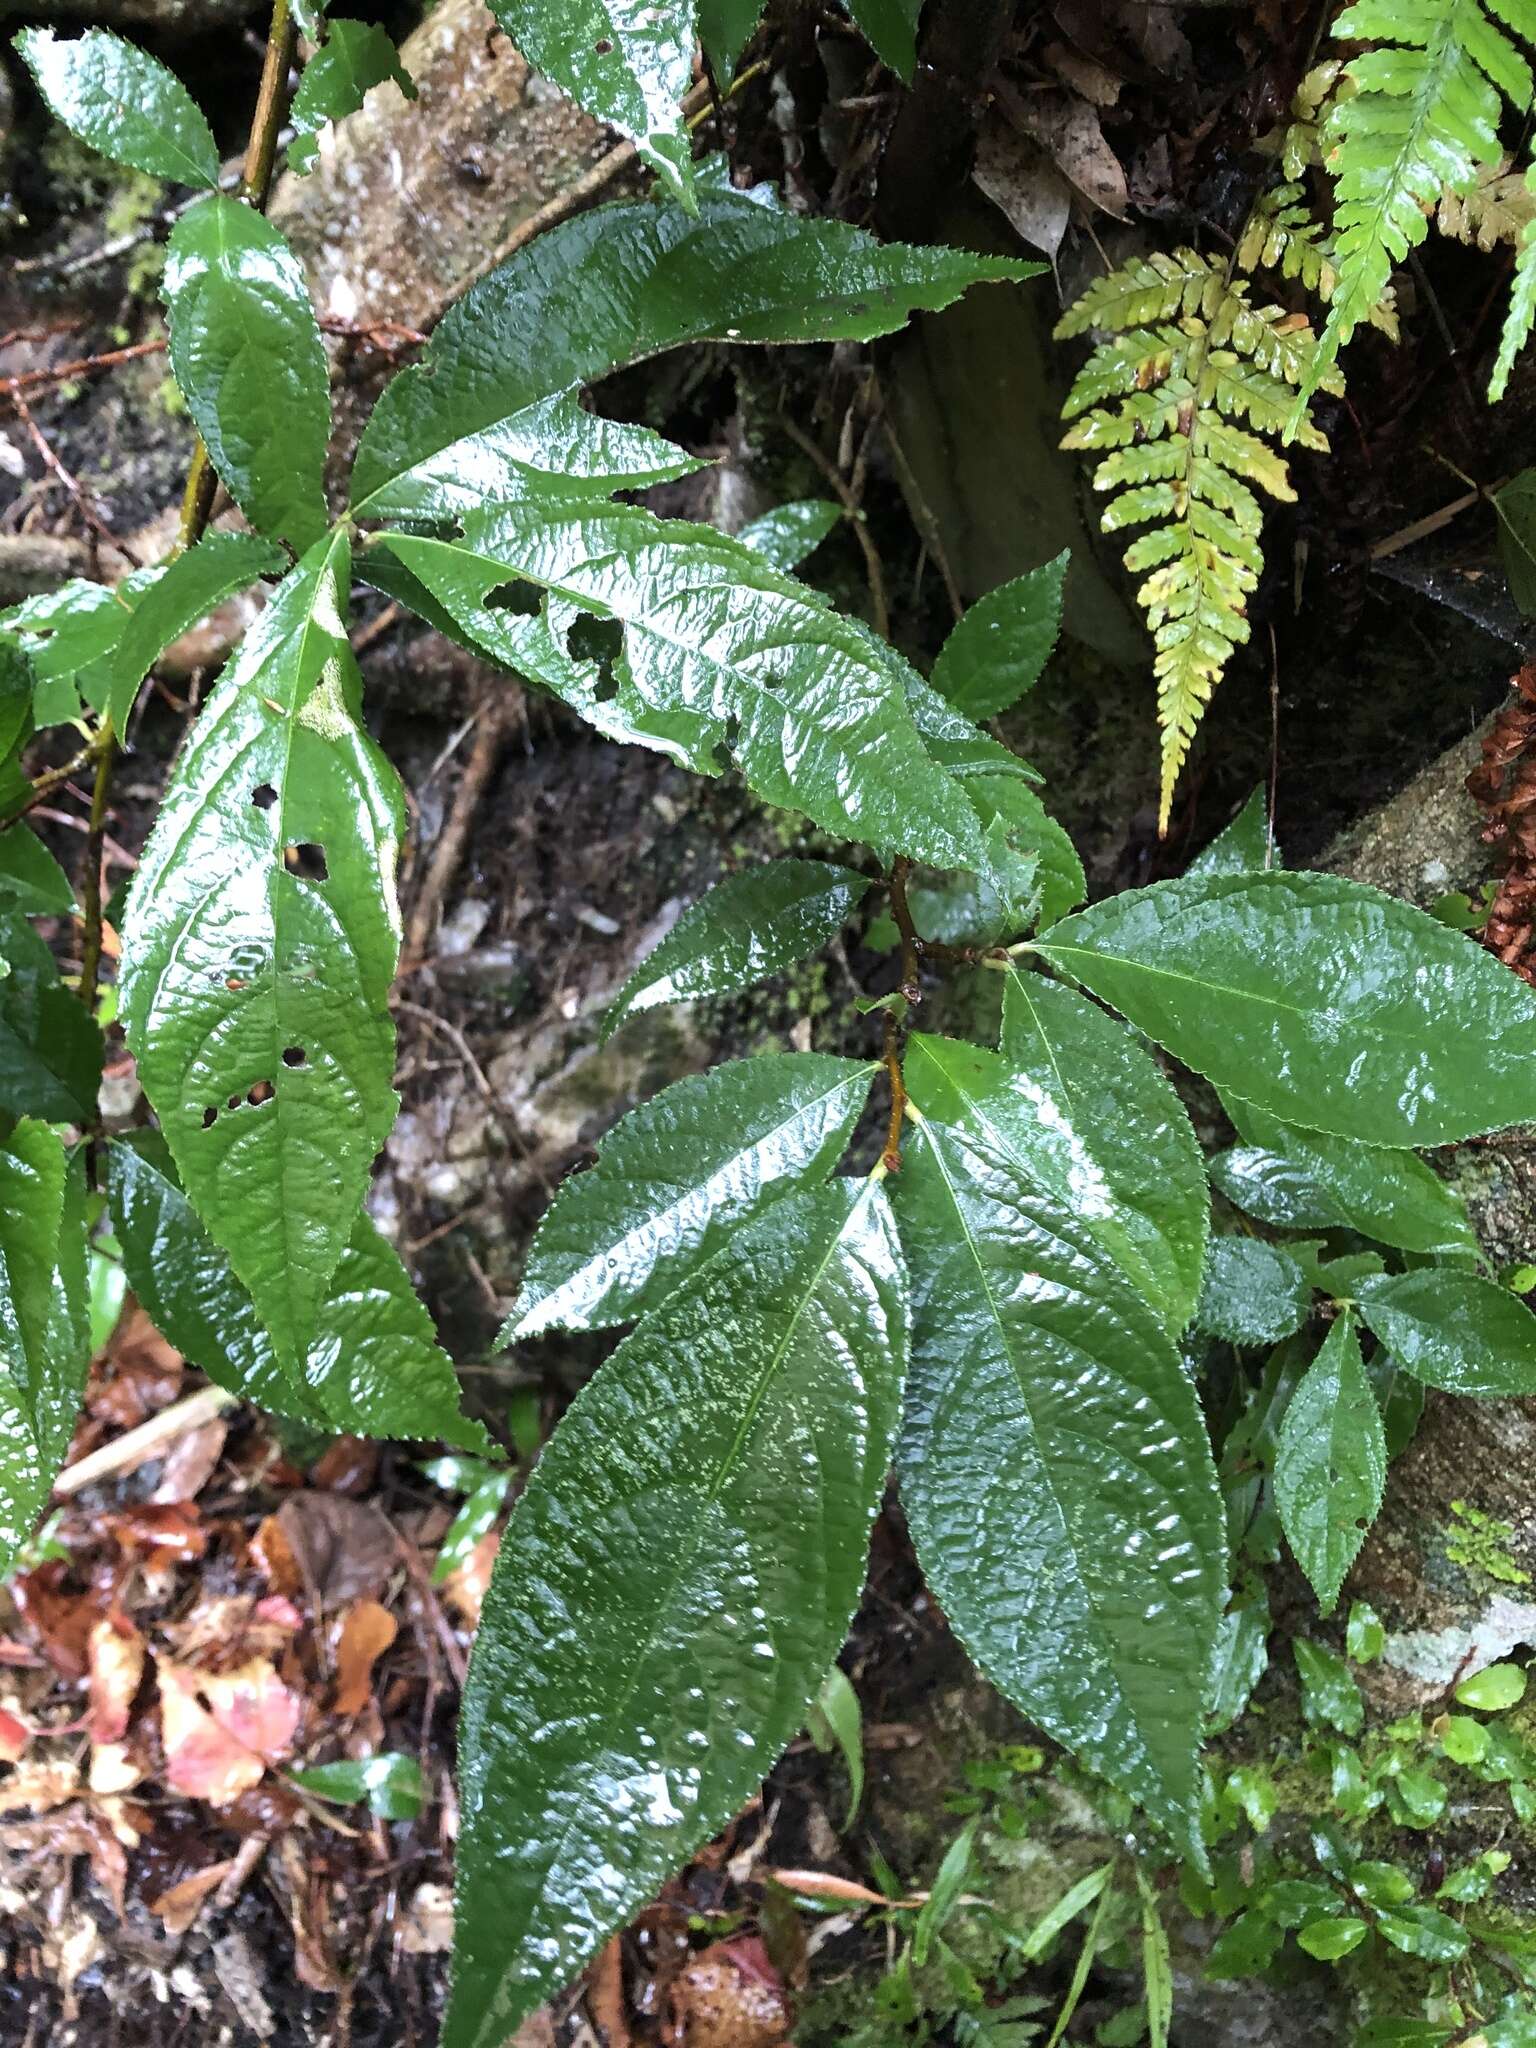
(1498, 208)
(1281, 234)
(1422, 120)
(1184, 394)
(1521, 316)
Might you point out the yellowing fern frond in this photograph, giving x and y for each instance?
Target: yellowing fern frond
(1498, 208)
(1185, 384)
(1281, 234)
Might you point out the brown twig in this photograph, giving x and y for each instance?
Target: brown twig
(78, 494)
(849, 497)
(491, 730)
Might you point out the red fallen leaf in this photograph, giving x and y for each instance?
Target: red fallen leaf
(226, 1627)
(279, 1612)
(60, 1619)
(14, 1737)
(253, 1704)
(366, 1634)
(202, 1760)
(116, 1655)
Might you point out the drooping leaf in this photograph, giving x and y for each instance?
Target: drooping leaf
(258, 949)
(891, 27)
(1453, 1330)
(50, 1049)
(31, 880)
(122, 102)
(1127, 1161)
(1331, 1463)
(789, 533)
(671, 1590)
(1254, 1293)
(1055, 1468)
(248, 358)
(355, 57)
(747, 927)
(725, 28)
(1245, 847)
(1515, 505)
(191, 587)
(676, 1177)
(998, 649)
(1319, 1000)
(372, 1364)
(613, 287)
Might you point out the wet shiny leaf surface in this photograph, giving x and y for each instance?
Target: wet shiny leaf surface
(790, 533)
(998, 649)
(1454, 1330)
(31, 880)
(1055, 1467)
(122, 102)
(1245, 847)
(675, 1177)
(354, 58)
(671, 1590)
(1330, 1463)
(50, 1050)
(190, 588)
(1254, 1293)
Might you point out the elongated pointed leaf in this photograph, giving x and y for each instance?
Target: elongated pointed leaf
(122, 102)
(354, 58)
(1318, 1000)
(676, 1177)
(30, 878)
(372, 1364)
(258, 950)
(1246, 847)
(246, 350)
(18, 680)
(191, 587)
(1331, 1463)
(1453, 1330)
(68, 636)
(789, 533)
(50, 1050)
(1123, 1155)
(32, 1176)
(671, 1590)
(1254, 1293)
(725, 27)
(613, 287)
(746, 928)
(998, 649)
(1055, 1467)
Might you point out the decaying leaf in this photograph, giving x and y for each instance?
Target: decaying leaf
(366, 1633)
(731, 1996)
(116, 1668)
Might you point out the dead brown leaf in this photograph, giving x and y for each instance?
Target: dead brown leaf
(1018, 176)
(1067, 129)
(366, 1634)
(191, 1462)
(115, 1650)
(180, 1906)
(344, 1549)
(605, 1995)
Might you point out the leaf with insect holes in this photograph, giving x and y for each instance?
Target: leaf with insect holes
(192, 586)
(122, 102)
(249, 361)
(354, 58)
(676, 1177)
(998, 649)
(1330, 1463)
(258, 950)
(1453, 1330)
(746, 928)
(671, 1590)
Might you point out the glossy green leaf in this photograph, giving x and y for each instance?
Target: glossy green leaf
(891, 27)
(355, 57)
(1156, 1965)
(789, 533)
(1245, 847)
(1330, 1697)
(725, 28)
(677, 1176)
(1331, 1464)
(18, 680)
(68, 636)
(371, 1364)
(1319, 1000)
(123, 102)
(1365, 1637)
(1274, 1190)
(31, 879)
(33, 1170)
(1056, 1472)
(1124, 1158)
(1422, 1931)
(1254, 1293)
(1453, 1330)
(671, 1591)
(248, 358)
(1492, 1689)
(746, 928)
(190, 588)
(50, 1050)
(475, 1520)
(612, 287)
(259, 945)
(998, 649)
(1242, 1657)
(391, 1783)
(1328, 1940)
(747, 667)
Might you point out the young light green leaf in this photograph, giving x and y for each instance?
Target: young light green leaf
(944, 1892)
(31, 880)
(1330, 1697)
(1327, 1940)
(1254, 1293)
(671, 1590)
(50, 1049)
(1074, 1900)
(191, 587)
(1453, 1330)
(355, 57)
(725, 28)
(391, 1783)
(891, 27)
(998, 649)
(1319, 1000)
(1056, 1471)
(1493, 1689)
(677, 1176)
(1331, 1464)
(371, 1365)
(1364, 1638)
(614, 286)
(837, 1719)
(123, 102)
(475, 1520)
(747, 927)
(1245, 847)
(1156, 1965)
(248, 358)
(789, 533)
(1128, 1162)
(1242, 1656)
(258, 949)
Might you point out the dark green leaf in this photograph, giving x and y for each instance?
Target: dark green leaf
(1316, 999)
(1331, 1464)
(1245, 847)
(725, 27)
(1421, 1931)
(31, 880)
(1415, 1798)
(122, 102)
(1454, 1330)
(1330, 1697)
(789, 533)
(254, 992)
(1254, 1293)
(677, 1176)
(1113, 1141)
(612, 287)
(1275, 1190)
(50, 1049)
(354, 57)
(998, 649)
(836, 1718)
(391, 1784)
(671, 1591)
(18, 680)
(1295, 1899)
(371, 1364)
(1515, 505)
(248, 358)
(1242, 1656)
(190, 588)
(891, 26)
(1051, 1431)
(1245, 1948)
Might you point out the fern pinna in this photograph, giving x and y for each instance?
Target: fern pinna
(1181, 392)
